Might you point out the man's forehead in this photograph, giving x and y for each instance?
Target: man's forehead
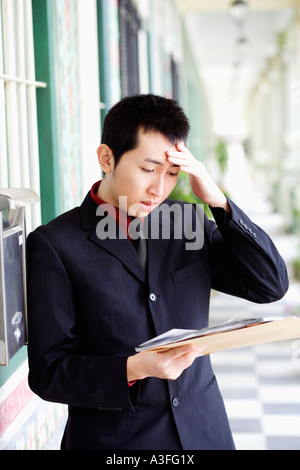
(152, 147)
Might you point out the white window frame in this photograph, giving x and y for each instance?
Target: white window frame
(19, 151)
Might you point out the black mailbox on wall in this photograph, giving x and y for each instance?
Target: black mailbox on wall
(13, 316)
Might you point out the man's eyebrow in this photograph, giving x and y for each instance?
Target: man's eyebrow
(152, 160)
(156, 162)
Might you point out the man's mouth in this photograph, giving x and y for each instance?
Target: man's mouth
(148, 205)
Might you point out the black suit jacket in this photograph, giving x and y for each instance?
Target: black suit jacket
(90, 304)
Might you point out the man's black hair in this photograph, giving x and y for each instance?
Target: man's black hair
(149, 113)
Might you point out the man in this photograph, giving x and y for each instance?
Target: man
(91, 302)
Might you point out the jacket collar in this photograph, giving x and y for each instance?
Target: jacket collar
(122, 248)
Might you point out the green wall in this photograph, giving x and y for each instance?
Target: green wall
(46, 108)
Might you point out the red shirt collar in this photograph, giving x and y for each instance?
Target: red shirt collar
(94, 191)
(121, 217)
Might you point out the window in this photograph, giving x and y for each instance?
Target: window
(175, 80)
(129, 28)
(19, 158)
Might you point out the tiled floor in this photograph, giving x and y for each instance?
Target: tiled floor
(260, 385)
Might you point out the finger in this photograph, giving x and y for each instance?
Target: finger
(183, 149)
(180, 155)
(189, 349)
(183, 350)
(186, 169)
(181, 162)
(190, 169)
(176, 351)
(185, 360)
(182, 159)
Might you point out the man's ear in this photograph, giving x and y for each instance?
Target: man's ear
(105, 158)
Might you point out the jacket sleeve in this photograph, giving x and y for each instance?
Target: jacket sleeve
(57, 370)
(245, 261)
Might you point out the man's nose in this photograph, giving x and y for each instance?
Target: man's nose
(157, 187)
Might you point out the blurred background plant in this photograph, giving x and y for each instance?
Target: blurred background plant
(183, 192)
(222, 155)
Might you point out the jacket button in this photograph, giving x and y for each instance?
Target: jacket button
(175, 402)
(153, 297)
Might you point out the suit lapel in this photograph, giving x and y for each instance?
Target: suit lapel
(124, 251)
(157, 227)
(119, 246)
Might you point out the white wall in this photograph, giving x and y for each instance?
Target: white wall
(89, 91)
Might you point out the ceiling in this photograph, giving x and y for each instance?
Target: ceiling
(228, 72)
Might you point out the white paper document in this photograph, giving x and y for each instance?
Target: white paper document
(229, 335)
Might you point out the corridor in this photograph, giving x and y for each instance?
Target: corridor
(261, 384)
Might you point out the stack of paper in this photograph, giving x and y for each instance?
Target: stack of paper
(229, 335)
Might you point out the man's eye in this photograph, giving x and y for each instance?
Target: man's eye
(146, 170)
